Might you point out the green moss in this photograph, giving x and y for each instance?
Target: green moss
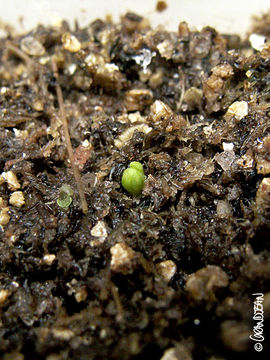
(133, 178)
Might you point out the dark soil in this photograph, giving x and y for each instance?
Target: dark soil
(169, 274)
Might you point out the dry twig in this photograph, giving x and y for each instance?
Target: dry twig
(67, 139)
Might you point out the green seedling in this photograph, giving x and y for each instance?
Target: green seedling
(65, 196)
(133, 178)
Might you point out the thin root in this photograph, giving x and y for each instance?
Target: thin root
(67, 139)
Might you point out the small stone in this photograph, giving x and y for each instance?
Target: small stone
(224, 209)
(161, 6)
(156, 79)
(136, 117)
(2, 179)
(71, 69)
(166, 49)
(144, 75)
(17, 199)
(2, 203)
(32, 46)
(4, 294)
(225, 159)
(99, 230)
(169, 354)
(21, 134)
(103, 334)
(4, 216)
(11, 180)
(246, 161)
(71, 43)
(49, 259)
(202, 284)
(38, 105)
(238, 110)
(263, 165)
(227, 146)
(257, 41)
(81, 295)
(160, 111)
(123, 258)
(166, 269)
(63, 334)
(224, 71)
(105, 74)
(193, 97)
(3, 90)
(138, 99)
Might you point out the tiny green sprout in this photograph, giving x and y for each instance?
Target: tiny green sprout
(133, 178)
(65, 196)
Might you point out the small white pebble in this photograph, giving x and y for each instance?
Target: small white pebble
(237, 110)
(86, 144)
(224, 209)
(227, 146)
(72, 68)
(44, 60)
(3, 90)
(99, 230)
(257, 41)
(166, 49)
(122, 258)
(48, 259)
(166, 269)
(71, 43)
(17, 199)
(15, 284)
(111, 67)
(11, 180)
(12, 239)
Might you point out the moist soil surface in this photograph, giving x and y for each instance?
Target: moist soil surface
(168, 274)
